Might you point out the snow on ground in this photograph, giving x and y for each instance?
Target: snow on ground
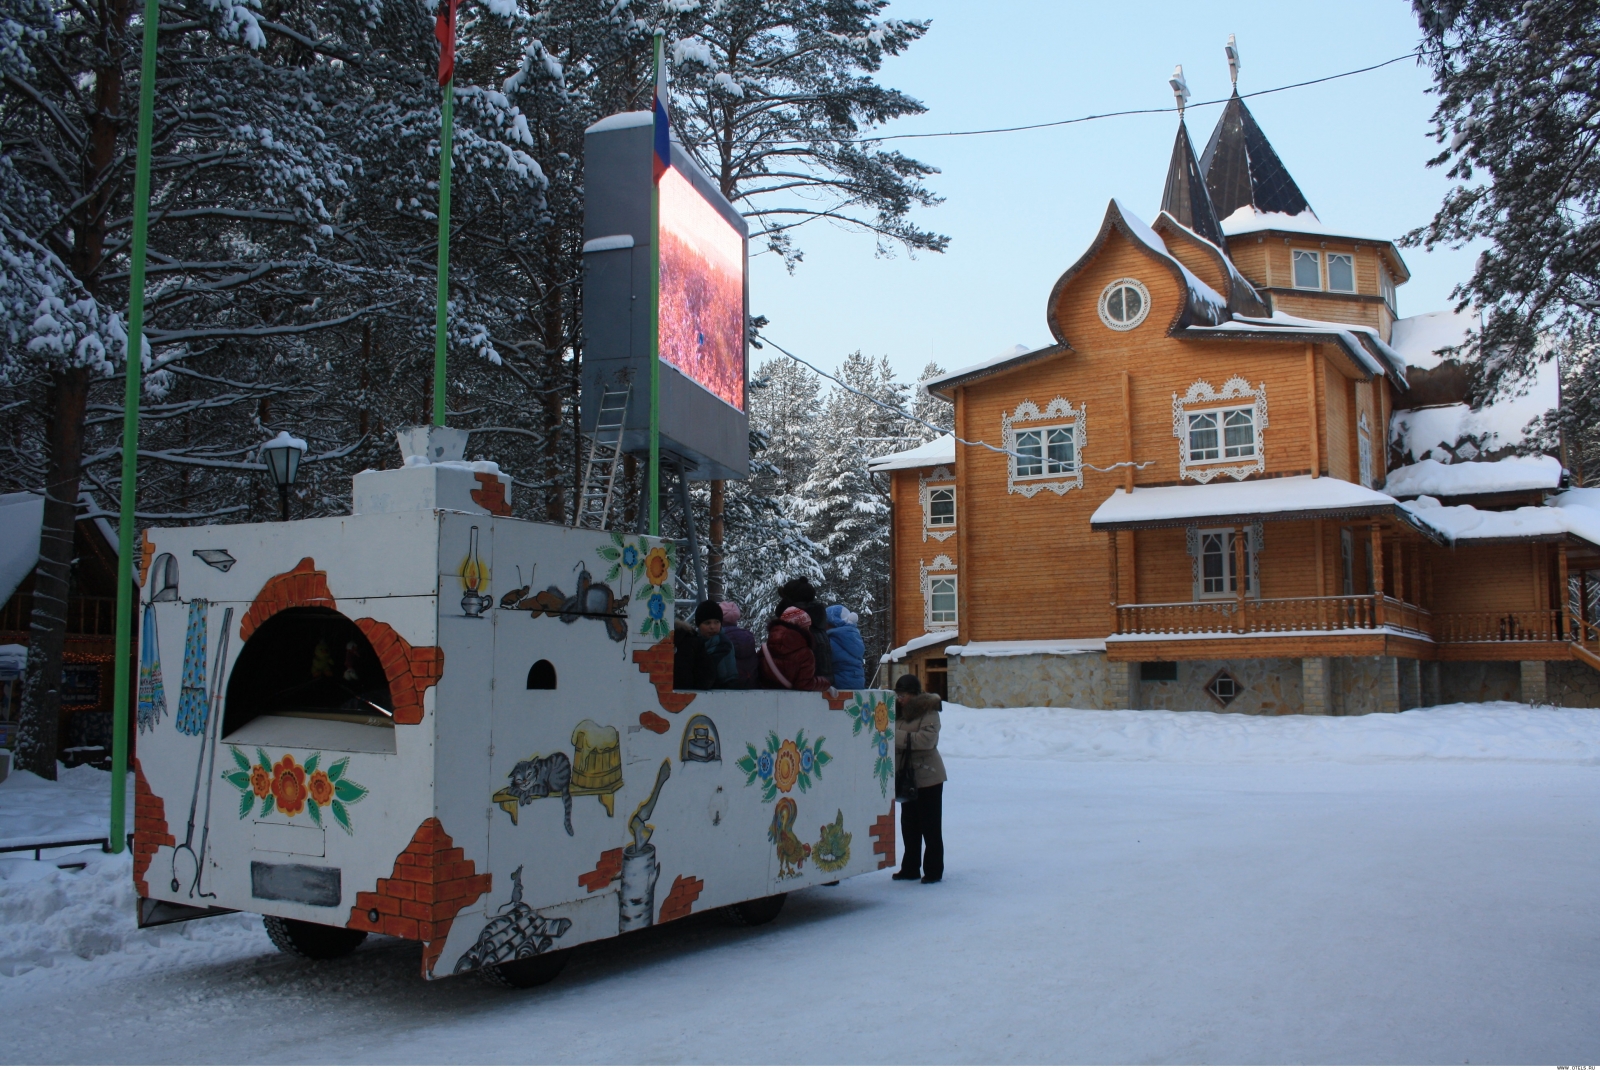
(75, 807)
(1121, 888)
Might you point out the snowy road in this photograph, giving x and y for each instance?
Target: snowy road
(1093, 912)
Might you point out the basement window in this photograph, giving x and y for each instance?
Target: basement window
(1223, 688)
(1158, 672)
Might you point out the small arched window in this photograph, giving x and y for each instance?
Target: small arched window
(542, 676)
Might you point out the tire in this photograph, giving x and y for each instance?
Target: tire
(309, 940)
(756, 911)
(527, 973)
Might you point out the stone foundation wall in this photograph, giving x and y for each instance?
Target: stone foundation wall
(1083, 681)
(1572, 683)
(1480, 681)
(1266, 685)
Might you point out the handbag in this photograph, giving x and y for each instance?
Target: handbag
(905, 781)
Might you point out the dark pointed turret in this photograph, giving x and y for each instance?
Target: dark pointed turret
(1186, 198)
(1241, 168)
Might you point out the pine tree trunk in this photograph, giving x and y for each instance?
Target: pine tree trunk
(38, 736)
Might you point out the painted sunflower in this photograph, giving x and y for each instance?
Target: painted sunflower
(786, 765)
(880, 717)
(656, 566)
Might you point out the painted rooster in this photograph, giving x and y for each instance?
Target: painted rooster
(792, 854)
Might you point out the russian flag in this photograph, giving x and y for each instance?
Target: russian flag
(663, 128)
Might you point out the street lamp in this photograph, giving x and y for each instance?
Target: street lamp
(282, 455)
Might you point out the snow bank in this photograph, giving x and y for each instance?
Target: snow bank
(1489, 732)
(1437, 430)
(1418, 338)
(77, 806)
(1474, 477)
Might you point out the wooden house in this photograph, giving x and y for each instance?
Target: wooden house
(1193, 498)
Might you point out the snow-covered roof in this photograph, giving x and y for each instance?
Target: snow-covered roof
(622, 120)
(1474, 477)
(1202, 298)
(1248, 220)
(21, 517)
(1012, 648)
(1362, 343)
(1016, 355)
(1466, 523)
(941, 450)
(1284, 498)
(1417, 337)
(930, 639)
(1439, 431)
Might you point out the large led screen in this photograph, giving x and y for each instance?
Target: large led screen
(702, 291)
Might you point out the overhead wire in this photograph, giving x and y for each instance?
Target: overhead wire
(904, 415)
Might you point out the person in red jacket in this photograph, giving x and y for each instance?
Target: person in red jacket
(786, 659)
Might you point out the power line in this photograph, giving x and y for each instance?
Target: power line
(1135, 111)
(904, 415)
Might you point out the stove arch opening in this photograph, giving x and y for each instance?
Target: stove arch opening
(308, 661)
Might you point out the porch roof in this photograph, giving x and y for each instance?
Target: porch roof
(1569, 515)
(1282, 498)
(941, 450)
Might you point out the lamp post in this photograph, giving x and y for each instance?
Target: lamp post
(282, 456)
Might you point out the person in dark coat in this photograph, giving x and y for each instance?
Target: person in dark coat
(849, 650)
(744, 643)
(703, 659)
(786, 658)
(799, 593)
(916, 740)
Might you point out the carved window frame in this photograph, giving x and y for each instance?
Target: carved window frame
(1256, 538)
(1062, 412)
(1366, 473)
(941, 568)
(939, 479)
(1202, 395)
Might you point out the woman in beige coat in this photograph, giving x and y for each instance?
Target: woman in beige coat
(916, 740)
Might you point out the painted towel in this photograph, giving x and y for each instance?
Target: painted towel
(192, 701)
(152, 692)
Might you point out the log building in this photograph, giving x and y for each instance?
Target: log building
(1216, 487)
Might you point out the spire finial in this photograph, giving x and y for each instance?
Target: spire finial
(1232, 49)
(1180, 89)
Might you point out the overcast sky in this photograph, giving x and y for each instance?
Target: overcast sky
(1020, 208)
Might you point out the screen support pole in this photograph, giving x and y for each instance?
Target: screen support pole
(442, 315)
(655, 335)
(133, 353)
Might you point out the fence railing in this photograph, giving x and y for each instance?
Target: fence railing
(1515, 626)
(1362, 612)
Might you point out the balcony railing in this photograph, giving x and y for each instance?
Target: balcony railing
(85, 616)
(1349, 613)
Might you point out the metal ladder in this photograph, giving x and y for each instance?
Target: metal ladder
(605, 451)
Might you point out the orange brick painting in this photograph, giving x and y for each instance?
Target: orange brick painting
(303, 585)
(491, 494)
(680, 901)
(656, 663)
(655, 722)
(431, 883)
(150, 830)
(411, 669)
(608, 869)
(883, 838)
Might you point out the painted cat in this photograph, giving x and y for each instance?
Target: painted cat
(539, 778)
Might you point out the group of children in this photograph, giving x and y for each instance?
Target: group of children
(808, 647)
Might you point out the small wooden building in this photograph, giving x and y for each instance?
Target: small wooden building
(85, 730)
(1210, 490)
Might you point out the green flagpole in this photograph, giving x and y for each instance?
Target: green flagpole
(655, 334)
(134, 352)
(441, 318)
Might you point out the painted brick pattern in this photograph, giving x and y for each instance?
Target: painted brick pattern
(432, 882)
(149, 828)
(491, 494)
(411, 669)
(656, 662)
(608, 869)
(303, 585)
(655, 722)
(882, 831)
(680, 901)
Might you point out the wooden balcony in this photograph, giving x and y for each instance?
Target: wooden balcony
(85, 615)
(1342, 625)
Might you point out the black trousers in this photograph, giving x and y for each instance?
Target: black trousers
(922, 829)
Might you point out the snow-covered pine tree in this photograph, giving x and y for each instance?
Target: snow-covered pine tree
(1519, 92)
(930, 408)
(845, 506)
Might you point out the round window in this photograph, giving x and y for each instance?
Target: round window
(1124, 304)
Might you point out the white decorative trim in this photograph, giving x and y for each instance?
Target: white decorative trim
(1058, 409)
(1202, 393)
(1144, 306)
(940, 475)
(1255, 542)
(1191, 542)
(945, 567)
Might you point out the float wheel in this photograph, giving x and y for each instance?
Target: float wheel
(309, 940)
(756, 911)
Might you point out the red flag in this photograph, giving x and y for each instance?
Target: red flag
(444, 28)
